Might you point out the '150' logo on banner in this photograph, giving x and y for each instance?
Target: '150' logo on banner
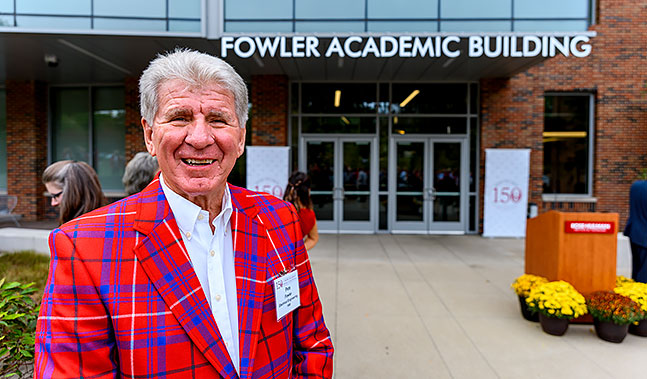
(594, 227)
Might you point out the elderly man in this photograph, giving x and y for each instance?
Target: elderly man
(191, 277)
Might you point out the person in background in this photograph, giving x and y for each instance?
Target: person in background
(636, 230)
(297, 192)
(74, 188)
(139, 172)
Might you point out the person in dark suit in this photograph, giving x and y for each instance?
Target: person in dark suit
(636, 230)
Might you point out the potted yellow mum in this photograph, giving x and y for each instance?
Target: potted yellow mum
(557, 302)
(522, 287)
(638, 293)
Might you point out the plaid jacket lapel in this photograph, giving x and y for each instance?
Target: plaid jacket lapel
(251, 253)
(164, 258)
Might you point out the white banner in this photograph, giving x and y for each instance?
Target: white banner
(268, 169)
(506, 192)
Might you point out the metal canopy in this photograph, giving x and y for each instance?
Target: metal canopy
(110, 59)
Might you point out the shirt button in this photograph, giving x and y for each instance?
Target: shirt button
(212, 253)
(200, 217)
(217, 297)
(188, 234)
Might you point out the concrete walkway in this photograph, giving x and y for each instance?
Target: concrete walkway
(441, 307)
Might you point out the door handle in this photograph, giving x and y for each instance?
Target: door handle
(432, 193)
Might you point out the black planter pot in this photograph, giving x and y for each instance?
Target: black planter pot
(553, 325)
(525, 312)
(609, 331)
(640, 329)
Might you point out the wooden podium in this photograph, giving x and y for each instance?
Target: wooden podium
(579, 248)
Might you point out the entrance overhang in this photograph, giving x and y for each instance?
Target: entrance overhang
(97, 58)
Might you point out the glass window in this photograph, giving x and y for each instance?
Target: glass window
(429, 125)
(184, 26)
(475, 9)
(129, 8)
(338, 98)
(550, 26)
(438, 98)
(121, 24)
(70, 131)
(109, 135)
(329, 9)
(185, 8)
(6, 6)
(329, 26)
(258, 27)
(341, 124)
(402, 26)
(6, 20)
(38, 22)
(258, 9)
(475, 26)
(3, 139)
(567, 143)
(402, 9)
(67, 7)
(551, 8)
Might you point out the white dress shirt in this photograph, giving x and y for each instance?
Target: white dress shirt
(212, 256)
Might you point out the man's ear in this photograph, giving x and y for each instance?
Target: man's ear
(148, 137)
(241, 142)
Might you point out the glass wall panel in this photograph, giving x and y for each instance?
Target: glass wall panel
(258, 27)
(429, 125)
(70, 124)
(320, 158)
(472, 212)
(338, 9)
(37, 22)
(475, 26)
(3, 139)
(109, 136)
(439, 98)
(474, 96)
(6, 20)
(253, 9)
(329, 26)
(475, 9)
(67, 7)
(550, 26)
(402, 9)
(129, 8)
(473, 153)
(566, 137)
(356, 180)
(402, 26)
(185, 8)
(384, 207)
(341, 124)
(184, 26)
(121, 24)
(551, 9)
(384, 154)
(6, 6)
(338, 98)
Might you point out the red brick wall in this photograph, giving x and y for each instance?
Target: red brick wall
(512, 109)
(269, 118)
(134, 135)
(27, 146)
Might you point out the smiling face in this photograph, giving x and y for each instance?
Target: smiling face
(196, 138)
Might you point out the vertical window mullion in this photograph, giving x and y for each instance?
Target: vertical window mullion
(90, 128)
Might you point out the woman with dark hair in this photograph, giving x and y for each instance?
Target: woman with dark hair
(74, 187)
(297, 192)
(140, 171)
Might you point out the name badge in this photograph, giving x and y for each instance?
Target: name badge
(286, 293)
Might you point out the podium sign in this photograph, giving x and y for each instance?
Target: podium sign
(506, 192)
(589, 227)
(268, 169)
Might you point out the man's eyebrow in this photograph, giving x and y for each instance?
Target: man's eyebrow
(226, 116)
(175, 112)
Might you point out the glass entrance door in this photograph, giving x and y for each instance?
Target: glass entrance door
(428, 176)
(343, 187)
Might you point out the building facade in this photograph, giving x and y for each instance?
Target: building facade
(389, 106)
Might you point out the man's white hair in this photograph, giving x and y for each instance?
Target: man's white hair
(196, 69)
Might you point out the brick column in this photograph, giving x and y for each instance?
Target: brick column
(134, 135)
(269, 118)
(27, 146)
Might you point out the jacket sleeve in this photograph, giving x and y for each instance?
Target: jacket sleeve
(313, 349)
(74, 336)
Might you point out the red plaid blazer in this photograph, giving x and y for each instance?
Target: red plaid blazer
(122, 298)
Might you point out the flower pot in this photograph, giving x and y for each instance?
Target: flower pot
(640, 329)
(525, 312)
(553, 325)
(609, 331)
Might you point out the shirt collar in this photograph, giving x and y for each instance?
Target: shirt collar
(186, 213)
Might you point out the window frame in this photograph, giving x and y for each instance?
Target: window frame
(588, 195)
